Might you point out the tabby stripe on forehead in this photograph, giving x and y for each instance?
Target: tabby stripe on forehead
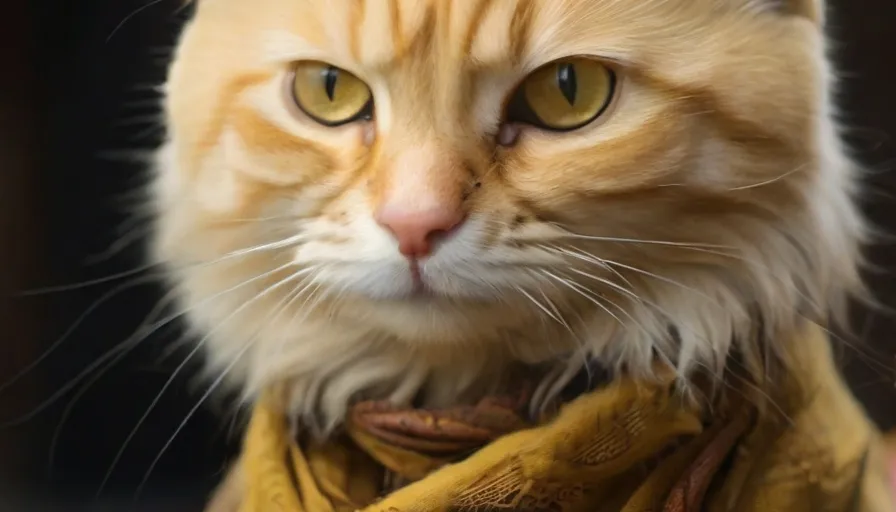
(356, 22)
(445, 15)
(520, 25)
(475, 23)
(397, 32)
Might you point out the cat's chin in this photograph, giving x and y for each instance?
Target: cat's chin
(428, 316)
(423, 296)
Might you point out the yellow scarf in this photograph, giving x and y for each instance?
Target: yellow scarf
(628, 447)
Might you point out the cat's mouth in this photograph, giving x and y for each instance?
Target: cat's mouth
(417, 277)
(413, 282)
(420, 290)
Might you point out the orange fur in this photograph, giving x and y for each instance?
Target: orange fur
(711, 195)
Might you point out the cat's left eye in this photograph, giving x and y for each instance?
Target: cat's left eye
(563, 95)
(330, 95)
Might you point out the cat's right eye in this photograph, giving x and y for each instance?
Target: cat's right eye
(330, 95)
(563, 95)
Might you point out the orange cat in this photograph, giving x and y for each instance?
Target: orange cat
(409, 199)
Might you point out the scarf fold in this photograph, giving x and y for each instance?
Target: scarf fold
(628, 447)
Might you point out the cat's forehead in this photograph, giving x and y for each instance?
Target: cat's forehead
(373, 33)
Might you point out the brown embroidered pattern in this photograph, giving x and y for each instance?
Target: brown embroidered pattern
(509, 489)
(614, 440)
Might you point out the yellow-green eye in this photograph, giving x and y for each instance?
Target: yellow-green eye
(564, 95)
(329, 95)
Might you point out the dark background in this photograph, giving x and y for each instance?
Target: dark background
(78, 97)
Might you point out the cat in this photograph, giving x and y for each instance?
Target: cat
(411, 200)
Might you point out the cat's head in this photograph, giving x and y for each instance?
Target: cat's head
(354, 187)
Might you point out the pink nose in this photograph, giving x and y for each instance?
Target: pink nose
(417, 230)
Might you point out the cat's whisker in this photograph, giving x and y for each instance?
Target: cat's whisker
(272, 218)
(54, 443)
(540, 306)
(762, 266)
(271, 246)
(746, 382)
(744, 260)
(120, 244)
(286, 243)
(591, 295)
(91, 282)
(139, 281)
(553, 307)
(306, 284)
(602, 262)
(208, 392)
(769, 181)
(126, 345)
(281, 307)
(590, 258)
(748, 186)
(582, 347)
(607, 282)
(557, 316)
(578, 289)
(199, 346)
(149, 131)
(91, 309)
(708, 250)
(135, 220)
(684, 245)
(663, 279)
(866, 358)
(133, 13)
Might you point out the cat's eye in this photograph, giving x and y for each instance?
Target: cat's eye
(564, 95)
(330, 95)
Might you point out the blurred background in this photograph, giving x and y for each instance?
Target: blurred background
(78, 108)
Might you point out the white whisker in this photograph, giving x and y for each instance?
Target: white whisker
(661, 278)
(683, 245)
(577, 288)
(192, 354)
(591, 259)
(541, 306)
(769, 181)
(74, 326)
(159, 307)
(282, 305)
(287, 243)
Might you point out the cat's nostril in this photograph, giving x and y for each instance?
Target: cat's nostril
(416, 231)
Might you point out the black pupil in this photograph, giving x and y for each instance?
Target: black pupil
(566, 81)
(330, 75)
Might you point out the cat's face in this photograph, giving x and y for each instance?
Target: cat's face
(456, 171)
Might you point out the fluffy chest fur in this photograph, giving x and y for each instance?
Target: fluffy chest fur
(430, 244)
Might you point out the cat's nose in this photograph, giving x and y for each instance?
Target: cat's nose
(418, 230)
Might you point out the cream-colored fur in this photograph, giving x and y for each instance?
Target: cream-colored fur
(713, 201)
